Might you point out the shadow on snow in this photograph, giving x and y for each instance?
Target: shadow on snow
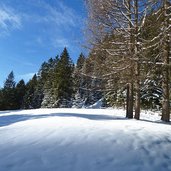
(11, 119)
(14, 118)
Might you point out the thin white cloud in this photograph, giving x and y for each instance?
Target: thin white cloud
(39, 40)
(60, 43)
(26, 77)
(9, 19)
(21, 62)
(63, 15)
(55, 20)
(60, 15)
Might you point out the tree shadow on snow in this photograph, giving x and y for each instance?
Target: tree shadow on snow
(11, 119)
(156, 122)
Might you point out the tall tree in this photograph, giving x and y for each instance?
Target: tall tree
(28, 102)
(10, 83)
(64, 82)
(9, 93)
(124, 19)
(20, 93)
(166, 60)
(49, 87)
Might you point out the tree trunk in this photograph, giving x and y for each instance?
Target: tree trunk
(137, 65)
(165, 81)
(129, 112)
(137, 92)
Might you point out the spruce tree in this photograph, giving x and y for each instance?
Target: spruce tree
(28, 102)
(49, 96)
(2, 102)
(20, 92)
(9, 93)
(80, 61)
(9, 83)
(78, 82)
(64, 89)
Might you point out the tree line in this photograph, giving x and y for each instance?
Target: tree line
(58, 83)
(52, 86)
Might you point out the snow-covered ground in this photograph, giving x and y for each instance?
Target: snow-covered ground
(83, 140)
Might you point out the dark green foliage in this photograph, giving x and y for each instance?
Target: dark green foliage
(64, 80)
(28, 102)
(9, 83)
(58, 88)
(78, 82)
(2, 101)
(80, 62)
(8, 94)
(20, 93)
(49, 86)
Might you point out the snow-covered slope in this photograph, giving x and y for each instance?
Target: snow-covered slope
(82, 140)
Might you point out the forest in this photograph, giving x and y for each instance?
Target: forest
(128, 64)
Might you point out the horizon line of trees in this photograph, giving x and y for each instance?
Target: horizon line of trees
(52, 86)
(58, 83)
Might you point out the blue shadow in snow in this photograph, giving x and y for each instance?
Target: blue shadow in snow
(10, 119)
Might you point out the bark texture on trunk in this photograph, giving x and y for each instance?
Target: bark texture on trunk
(137, 65)
(166, 54)
(129, 113)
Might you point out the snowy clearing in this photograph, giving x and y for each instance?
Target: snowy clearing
(83, 140)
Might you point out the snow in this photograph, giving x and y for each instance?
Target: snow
(96, 105)
(83, 140)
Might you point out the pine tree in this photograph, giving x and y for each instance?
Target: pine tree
(2, 101)
(78, 82)
(49, 87)
(9, 93)
(80, 61)
(28, 102)
(20, 93)
(9, 83)
(64, 82)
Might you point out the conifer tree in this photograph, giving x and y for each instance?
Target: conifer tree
(9, 83)
(28, 102)
(80, 61)
(49, 87)
(20, 92)
(64, 89)
(9, 94)
(78, 82)
(2, 104)
(78, 72)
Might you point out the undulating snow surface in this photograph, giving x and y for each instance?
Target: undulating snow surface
(83, 140)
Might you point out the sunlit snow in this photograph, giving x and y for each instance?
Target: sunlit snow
(83, 140)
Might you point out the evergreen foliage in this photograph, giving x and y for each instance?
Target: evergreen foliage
(20, 93)
(64, 82)
(29, 98)
(8, 94)
(10, 83)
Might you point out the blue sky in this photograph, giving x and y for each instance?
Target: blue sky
(32, 31)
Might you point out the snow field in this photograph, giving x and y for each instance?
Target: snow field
(82, 140)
